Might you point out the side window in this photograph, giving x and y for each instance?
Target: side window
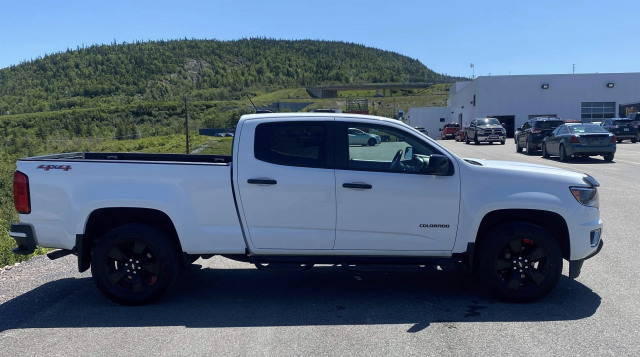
(292, 143)
(372, 147)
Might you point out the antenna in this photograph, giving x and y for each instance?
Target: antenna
(254, 106)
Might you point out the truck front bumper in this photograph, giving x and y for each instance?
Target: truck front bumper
(490, 138)
(25, 238)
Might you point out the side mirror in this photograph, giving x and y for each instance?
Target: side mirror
(408, 153)
(439, 165)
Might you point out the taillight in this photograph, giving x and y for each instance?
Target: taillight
(21, 199)
(536, 131)
(574, 139)
(613, 138)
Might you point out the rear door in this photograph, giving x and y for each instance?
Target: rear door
(384, 202)
(286, 185)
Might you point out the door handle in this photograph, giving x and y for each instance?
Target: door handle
(262, 181)
(364, 186)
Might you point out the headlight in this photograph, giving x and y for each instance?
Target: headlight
(587, 196)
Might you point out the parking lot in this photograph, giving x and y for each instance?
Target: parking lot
(221, 307)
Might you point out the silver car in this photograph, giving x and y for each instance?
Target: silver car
(359, 137)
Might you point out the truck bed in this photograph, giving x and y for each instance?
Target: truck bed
(108, 156)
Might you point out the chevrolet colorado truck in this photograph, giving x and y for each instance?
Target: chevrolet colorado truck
(296, 192)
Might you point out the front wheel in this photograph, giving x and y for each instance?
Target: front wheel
(545, 154)
(372, 142)
(466, 139)
(520, 261)
(475, 139)
(608, 157)
(134, 264)
(634, 140)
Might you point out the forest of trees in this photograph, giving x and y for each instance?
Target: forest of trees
(92, 98)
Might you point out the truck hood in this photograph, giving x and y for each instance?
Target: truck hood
(528, 171)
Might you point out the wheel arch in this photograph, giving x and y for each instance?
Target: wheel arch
(554, 223)
(103, 220)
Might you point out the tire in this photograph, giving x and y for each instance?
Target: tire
(608, 156)
(502, 142)
(520, 261)
(562, 153)
(372, 142)
(529, 148)
(518, 148)
(619, 140)
(475, 139)
(136, 248)
(634, 140)
(545, 154)
(466, 139)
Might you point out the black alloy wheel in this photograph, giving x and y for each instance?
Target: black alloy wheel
(134, 264)
(520, 261)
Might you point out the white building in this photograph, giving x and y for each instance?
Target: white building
(515, 99)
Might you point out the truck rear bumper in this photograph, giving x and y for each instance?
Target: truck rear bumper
(25, 238)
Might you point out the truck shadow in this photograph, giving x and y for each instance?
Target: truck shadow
(219, 298)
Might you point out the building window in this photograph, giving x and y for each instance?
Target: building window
(596, 111)
(442, 120)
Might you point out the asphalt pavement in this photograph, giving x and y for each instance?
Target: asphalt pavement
(226, 308)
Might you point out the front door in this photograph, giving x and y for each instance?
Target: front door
(384, 201)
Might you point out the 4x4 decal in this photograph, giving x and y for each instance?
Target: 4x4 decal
(55, 167)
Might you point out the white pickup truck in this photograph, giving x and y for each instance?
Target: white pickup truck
(295, 193)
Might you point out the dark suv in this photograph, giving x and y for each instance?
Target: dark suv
(622, 128)
(531, 133)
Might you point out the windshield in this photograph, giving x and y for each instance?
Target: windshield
(586, 129)
(489, 121)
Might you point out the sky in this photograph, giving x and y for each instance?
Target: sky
(499, 37)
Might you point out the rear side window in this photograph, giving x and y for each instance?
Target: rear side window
(292, 143)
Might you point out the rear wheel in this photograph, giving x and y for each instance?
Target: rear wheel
(134, 264)
(634, 140)
(520, 261)
(529, 148)
(563, 154)
(608, 157)
(372, 142)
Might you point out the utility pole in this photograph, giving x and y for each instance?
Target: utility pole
(186, 123)
(574, 68)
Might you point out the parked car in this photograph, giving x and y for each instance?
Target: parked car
(359, 137)
(583, 140)
(422, 130)
(460, 134)
(636, 119)
(622, 128)
(531, 133)
(485, 130)
(449, 131)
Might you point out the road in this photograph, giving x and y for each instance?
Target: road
(221, 307)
